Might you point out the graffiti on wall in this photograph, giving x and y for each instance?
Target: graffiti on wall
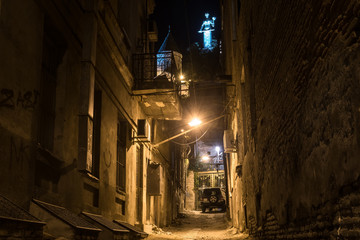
(26, 100)
(19, 151)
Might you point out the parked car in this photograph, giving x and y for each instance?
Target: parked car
(212, 198)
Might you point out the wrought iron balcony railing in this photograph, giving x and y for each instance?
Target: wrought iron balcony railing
(157, 70)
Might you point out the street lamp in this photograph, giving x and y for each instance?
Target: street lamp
(217, 148)
(194, 125)
(205, 158)
(195, 122)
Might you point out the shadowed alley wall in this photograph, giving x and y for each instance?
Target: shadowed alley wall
(295, 66)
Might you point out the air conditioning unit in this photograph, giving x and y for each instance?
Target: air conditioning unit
(143, 130)
(229, 142)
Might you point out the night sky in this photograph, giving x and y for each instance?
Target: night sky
(185, 18)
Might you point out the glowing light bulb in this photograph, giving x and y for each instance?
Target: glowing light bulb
(217, 148)
(205, 158)
(195, 122)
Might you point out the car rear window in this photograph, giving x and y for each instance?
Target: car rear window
(214, 191)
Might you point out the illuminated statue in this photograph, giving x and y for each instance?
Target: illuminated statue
(207, 27)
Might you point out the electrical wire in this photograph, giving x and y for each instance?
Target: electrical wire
(170, 91)
(184, 144)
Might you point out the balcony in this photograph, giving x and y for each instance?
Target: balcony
(157, 83)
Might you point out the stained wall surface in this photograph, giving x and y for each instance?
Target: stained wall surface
(65, 104)
(295, 67)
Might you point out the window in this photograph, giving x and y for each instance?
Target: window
(121, 203)
(139, 181)
(121, 154)
(53, 52)
(46, 165)
(96, 134)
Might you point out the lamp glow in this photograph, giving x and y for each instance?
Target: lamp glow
(205, 158)
(217, 148)
(181, 77)
(195, 122)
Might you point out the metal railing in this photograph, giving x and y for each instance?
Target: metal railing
(155, 71)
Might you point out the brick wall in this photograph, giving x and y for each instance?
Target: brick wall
(302, 99)
(339, 220)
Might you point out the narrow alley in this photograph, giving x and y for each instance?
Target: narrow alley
(179, 119)
(193, 225)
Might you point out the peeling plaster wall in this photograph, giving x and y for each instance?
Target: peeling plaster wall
(104, 47)
(161, 207)
(19, 46)
(301, 110)
(190, 191)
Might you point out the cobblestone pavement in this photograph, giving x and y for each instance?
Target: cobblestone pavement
(197, 225)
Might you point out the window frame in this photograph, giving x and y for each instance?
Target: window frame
(121, 142)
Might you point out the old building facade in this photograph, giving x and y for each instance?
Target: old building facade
(76, 128)
(293, 158)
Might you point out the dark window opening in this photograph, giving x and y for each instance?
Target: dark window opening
(121, 154)
(139, 180)
(92, 195)
(96, 134)
(46, 179)
(122, 203)
(53, 51)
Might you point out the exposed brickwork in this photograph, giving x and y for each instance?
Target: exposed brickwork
(301, 94)
(338, 220)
